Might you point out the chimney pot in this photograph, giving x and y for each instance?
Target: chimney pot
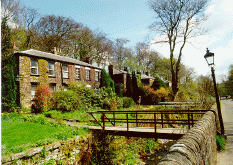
(55, 50)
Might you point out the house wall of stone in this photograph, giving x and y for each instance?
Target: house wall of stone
(26, 80)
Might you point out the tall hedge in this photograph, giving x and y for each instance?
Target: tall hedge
(106, 81)
(135, 87)
(8, 69)
(129, 87)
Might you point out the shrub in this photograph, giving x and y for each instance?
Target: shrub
(109, 99)
(66, 101)
(42, 97)
(87, 95)
(128, 102)
(161, 93)
(106, 81)
(118, 90)
(158, 83)
(149, 96)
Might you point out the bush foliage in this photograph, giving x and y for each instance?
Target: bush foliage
(43, 98)
(151, 96)
(106, 81)
(128, 102)
(158, 83)
(66, 101)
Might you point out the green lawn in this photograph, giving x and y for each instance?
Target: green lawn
(18, 133)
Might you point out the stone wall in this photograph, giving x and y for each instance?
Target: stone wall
(60, 151)
(26, 80)
(197, 146)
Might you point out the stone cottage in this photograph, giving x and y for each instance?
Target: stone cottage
(57, 71)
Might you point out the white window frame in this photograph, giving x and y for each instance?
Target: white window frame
(88, 74)
(52, 87)
(77, 72)
(33, 91)
(97, 74)
(65, 72)
(34, 67)
(51, 63)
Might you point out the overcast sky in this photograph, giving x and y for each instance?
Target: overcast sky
(130, 19)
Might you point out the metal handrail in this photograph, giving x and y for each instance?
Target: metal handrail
(190, 121)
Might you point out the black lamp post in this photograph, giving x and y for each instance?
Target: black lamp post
(210, 60)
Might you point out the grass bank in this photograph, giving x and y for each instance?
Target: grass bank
(22, 131)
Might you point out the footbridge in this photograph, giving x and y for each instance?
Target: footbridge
(165, 124)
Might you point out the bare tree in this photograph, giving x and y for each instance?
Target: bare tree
(11, 10)
(177, 20)
(205, 84)
(119, 51)
(81, 43)
(103, 47)
(29, 17)
(141, 50)
(53, 30)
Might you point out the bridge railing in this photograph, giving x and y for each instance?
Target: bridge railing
(141, 118)
(187, 105)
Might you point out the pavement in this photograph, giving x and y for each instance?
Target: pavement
(226, 157)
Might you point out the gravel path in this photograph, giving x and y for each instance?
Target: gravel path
(226, 157)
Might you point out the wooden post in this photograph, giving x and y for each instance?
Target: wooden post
(188, 120)
(162, 118)
(155, 121)
(127, 117)
(103, 122)
(114, 118)
(192, 121)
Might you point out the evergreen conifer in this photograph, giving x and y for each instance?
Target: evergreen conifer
(135, 87)
(8, 68)
(129, 87)
(158, 83)
(106, 81)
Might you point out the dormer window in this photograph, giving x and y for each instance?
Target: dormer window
(34, 66)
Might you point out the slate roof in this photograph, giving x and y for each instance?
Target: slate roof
(117, 71)
(36, 53)
(143, 76)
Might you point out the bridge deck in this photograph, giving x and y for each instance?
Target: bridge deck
(147, 132)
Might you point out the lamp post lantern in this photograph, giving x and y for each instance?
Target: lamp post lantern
(210, 60)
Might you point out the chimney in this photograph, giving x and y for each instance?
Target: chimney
(126, 69)
(55, 50)
(87, 60)
(110, 70)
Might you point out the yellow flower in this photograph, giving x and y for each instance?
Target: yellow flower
(2, 114)
(70, 133)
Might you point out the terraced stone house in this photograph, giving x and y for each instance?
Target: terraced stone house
(57, 71)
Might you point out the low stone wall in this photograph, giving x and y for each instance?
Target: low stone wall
(197, 146)
(58, 151)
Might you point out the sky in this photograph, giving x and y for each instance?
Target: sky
(130, 19)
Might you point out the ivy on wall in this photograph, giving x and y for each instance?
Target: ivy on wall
(43, 71)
